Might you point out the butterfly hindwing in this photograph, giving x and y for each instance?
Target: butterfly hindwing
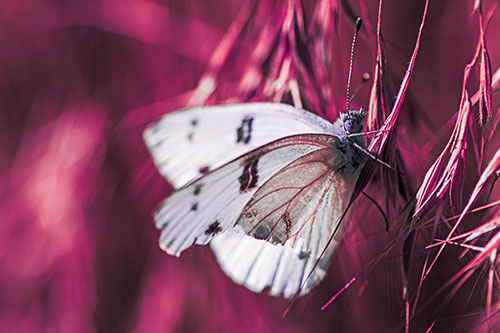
(257, 264)
(213, 203)
(294, 213)
(188, 143)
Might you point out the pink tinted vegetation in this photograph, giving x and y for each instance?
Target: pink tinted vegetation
(78, 248)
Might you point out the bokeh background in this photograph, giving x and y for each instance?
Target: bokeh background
(80, 80)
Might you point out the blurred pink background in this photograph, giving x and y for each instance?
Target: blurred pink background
(80, 80)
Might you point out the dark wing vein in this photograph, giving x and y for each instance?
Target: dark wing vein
(277, 199)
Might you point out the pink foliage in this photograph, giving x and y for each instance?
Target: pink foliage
(80, 80)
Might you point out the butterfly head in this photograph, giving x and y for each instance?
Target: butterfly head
(350, 122)
(353, 120)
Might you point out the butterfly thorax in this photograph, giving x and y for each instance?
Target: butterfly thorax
(350, 122)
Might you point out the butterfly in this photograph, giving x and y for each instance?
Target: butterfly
(265, 184)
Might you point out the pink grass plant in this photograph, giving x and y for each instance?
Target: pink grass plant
(78, 249)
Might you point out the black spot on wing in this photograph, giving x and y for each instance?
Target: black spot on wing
(303, 255)
(197, 189)
(275, 240)
(250, 175)
(213, 228)
(262, 232)
(244, 132)
(194, 123)
(194, 207)
(288, 223)
(204, 169)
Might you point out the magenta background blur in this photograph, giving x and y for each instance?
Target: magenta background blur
(79, 81)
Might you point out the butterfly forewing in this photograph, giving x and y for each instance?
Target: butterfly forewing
(191, 142)
(210, 205)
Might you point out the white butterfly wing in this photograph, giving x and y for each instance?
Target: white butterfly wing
(188, 143)
(257, 264)
(213, 203)
(294, 214)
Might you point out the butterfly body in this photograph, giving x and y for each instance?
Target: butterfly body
(265, 184)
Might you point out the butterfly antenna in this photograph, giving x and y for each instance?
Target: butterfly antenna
(358, 26)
